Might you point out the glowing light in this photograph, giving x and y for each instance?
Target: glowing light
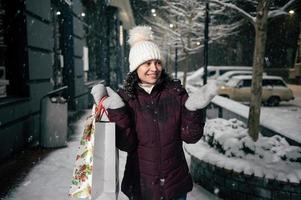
(121, 35)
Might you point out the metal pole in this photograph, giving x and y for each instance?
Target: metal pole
(176, 51)
(206, 31)
(176, 61)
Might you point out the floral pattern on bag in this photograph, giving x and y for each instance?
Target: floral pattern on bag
(81, 184)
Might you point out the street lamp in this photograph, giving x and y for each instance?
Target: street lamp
(206, 38)
(176, 54)
(291, 12)
(176, 61)
(153, 11)
(171, 26)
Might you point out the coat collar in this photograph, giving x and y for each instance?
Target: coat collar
(158, 87)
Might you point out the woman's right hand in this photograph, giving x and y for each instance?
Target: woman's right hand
(98, 91)
(113, 101)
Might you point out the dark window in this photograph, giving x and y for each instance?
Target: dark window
(266, 82)
(3, 81)
(211, 73)
(13, 59)
(221, 72)
(246, 83)
(271, 82)
(58, 57)
(278, 83)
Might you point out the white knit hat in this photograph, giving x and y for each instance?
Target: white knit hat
(142, 47)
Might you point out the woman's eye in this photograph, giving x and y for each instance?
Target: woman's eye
(158, 63)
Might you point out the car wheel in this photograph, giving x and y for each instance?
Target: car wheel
(273, 101)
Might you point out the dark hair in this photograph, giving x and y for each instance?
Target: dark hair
(132, 80)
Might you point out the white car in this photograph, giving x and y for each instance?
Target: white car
(223, 79)
(196, 78)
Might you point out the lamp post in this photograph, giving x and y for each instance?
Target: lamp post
(176, 53)
(176, 61)
(206, 38)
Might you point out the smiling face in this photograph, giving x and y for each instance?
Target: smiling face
(150, 71)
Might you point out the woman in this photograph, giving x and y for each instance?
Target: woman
(153, 116)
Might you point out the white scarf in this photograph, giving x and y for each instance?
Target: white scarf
(147, 87)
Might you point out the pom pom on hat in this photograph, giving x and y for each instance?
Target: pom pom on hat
(142, 47)
(139, 34)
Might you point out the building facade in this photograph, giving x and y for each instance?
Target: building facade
(57, 49)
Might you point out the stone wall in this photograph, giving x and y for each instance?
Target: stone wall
(228, 184)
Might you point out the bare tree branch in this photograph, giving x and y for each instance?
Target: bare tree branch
(246, 15)
(283, 11)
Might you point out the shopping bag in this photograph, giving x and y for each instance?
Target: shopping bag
(95, 175)
(81, 184)
(105, 182)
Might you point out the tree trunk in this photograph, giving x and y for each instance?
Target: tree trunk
(258, 62)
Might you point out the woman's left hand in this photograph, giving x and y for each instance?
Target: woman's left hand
(202, 97)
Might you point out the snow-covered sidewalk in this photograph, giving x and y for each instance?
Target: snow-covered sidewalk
(50, 178)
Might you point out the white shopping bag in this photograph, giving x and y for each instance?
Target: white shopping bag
(105, 182)
(95, 175)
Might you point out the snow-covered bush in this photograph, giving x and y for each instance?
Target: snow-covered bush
(230, 137)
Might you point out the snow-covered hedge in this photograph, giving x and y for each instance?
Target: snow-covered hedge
(230, 137)
(226, 144)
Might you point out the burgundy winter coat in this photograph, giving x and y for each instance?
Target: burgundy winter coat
(151, 128)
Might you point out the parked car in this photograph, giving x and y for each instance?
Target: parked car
(223, 79)
(196, 78)
(274, 89)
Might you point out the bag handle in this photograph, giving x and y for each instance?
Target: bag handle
(100, 109)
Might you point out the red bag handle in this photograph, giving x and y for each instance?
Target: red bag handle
(100, 109)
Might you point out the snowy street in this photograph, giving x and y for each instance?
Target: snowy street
(46, 174)
(224, 75)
